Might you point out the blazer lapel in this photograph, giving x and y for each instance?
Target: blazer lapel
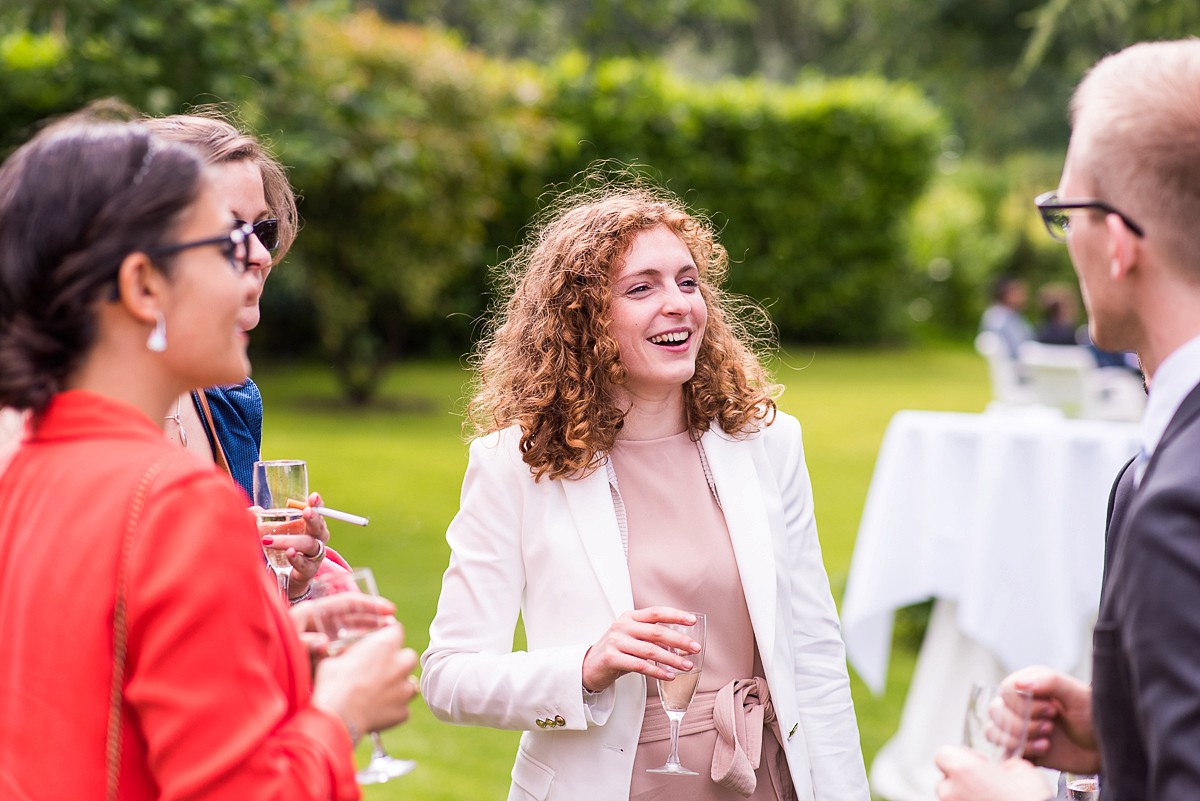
(591, 504)
(749, 517)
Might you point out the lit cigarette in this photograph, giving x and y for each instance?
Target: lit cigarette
(325, 511)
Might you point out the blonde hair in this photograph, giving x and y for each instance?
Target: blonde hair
(548, 363)
(215, 131)
(1138, 113)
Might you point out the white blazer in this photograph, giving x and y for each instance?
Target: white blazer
(551, 552)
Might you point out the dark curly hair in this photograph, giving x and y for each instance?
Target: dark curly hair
(548, 362)
(74, 201)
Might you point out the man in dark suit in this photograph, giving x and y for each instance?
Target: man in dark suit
(1128, 207)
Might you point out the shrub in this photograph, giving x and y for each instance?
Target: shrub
(809, 182)
(401, 141)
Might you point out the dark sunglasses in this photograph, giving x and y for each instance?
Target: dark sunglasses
(267, 232)
(232, 245)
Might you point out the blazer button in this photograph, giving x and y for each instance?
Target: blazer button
(541, 723)
(560, 721)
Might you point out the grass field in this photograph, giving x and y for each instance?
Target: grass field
(401, 463)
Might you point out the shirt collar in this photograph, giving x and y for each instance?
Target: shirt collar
(1178, 375)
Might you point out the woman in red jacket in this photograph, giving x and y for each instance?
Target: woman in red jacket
(145, 649)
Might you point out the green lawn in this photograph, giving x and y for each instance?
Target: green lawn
(401, 464)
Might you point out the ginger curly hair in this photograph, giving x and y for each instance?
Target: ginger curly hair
(547, 362)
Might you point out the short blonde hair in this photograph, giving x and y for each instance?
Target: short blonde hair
(212, 130)
(548, 363)
(1139, 110)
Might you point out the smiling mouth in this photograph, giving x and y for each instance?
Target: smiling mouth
(672, 338)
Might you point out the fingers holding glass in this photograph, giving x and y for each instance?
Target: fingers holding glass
(677, 692)
(350, 611)
(634, 643)
(997, 720)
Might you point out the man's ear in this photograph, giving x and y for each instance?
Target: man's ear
(1124, 247)
(141, 287)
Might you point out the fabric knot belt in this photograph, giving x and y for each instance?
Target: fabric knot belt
(739, 711)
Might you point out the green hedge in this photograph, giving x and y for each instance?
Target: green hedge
(810, 183)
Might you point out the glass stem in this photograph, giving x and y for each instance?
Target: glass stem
(673, 759)
(377, 746)
(282, 576)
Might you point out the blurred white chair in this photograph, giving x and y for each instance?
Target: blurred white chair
(1066, 377)
(1007, 387)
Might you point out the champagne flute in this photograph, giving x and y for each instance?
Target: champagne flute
(273, 483)
(676, 694)
(997, 721)
(344, 629)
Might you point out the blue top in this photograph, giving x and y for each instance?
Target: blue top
(237, 412)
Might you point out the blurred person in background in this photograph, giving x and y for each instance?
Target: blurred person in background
(1005, 316)
(1058, 315)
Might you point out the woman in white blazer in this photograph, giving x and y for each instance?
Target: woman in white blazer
(615, 333)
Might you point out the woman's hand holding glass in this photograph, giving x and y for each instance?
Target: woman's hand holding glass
(295, 549)
(635, 643)
(304, 551)
(369, 686)
(347, 610)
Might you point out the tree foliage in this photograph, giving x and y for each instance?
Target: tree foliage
(157, 55)
(402, 142)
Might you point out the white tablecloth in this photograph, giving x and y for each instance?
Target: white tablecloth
(1000, 516)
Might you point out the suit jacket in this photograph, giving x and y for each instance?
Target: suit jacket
(1146, 662)
(551, 552)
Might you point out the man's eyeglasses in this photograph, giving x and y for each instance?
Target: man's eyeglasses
(1056, 214)
(233, 246)
(267, 232)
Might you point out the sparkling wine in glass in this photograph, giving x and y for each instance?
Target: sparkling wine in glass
(272, 522)
(1083, 786)
(997, 721)
(676, 694)
(344, 628)
(272, 484)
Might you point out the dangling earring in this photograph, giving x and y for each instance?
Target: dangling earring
(157, 341)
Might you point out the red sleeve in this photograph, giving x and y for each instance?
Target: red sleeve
(217, 683)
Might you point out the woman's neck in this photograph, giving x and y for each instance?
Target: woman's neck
(653, 418)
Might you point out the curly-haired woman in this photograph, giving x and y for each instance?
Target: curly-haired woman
(632, 469)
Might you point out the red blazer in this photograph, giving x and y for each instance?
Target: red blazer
(217, 686)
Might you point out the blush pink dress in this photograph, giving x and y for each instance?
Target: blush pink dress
(680, 555)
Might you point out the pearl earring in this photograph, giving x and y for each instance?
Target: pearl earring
(157, 341)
